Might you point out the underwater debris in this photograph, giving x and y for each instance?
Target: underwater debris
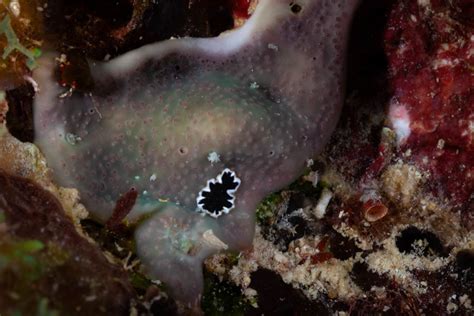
(213, 157)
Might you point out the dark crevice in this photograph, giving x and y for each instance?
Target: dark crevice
(275, 297)
(366, 279)
(342, 247)
(20, 112)
(295, 8)
(415, 240)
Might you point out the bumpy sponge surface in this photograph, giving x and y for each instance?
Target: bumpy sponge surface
(263, 99)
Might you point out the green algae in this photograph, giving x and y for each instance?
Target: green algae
(44, 309)
(266, 209)
(13, 43)
(223, 298)
(21, 256)
(139, 281)
(21, 264)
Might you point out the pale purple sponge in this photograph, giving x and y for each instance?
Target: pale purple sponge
(200, 126)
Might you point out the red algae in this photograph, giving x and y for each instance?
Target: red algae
(241, 9)
(324, 253)
(429, 50)
(122, 209)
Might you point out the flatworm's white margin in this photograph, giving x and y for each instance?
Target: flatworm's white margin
(231, 192)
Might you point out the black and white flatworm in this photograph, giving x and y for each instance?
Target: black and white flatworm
(218, 197)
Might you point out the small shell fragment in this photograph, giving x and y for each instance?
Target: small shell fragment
(209, 239)
(15, 8)
(320, 209)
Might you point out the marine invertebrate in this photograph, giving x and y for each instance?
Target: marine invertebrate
(264, 98)
(374, 210)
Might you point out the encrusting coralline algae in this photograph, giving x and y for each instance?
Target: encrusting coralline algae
(263, 98)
